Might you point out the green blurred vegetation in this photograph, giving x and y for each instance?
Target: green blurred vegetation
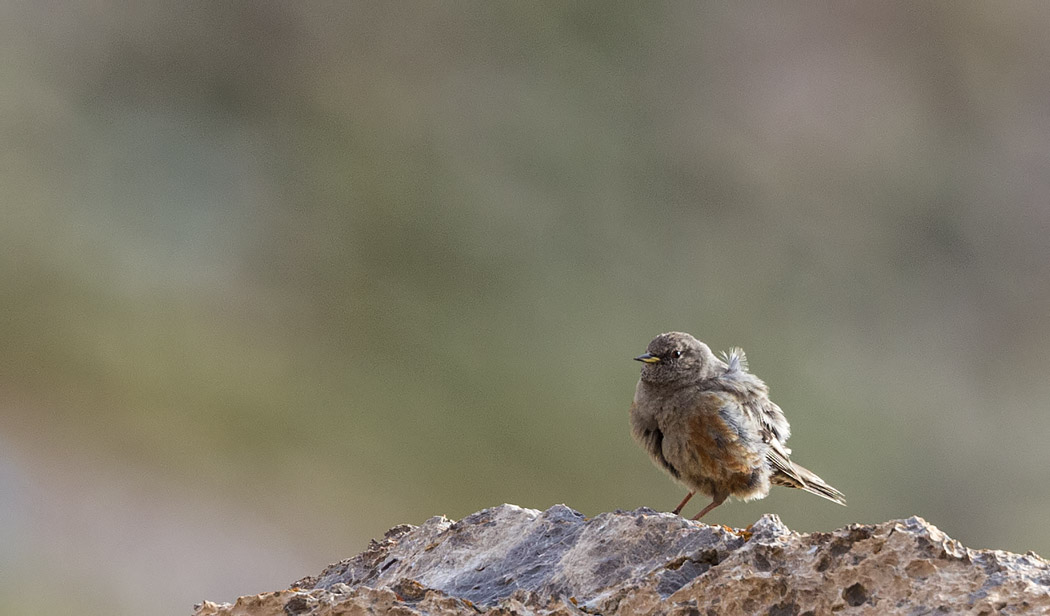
(277, 277)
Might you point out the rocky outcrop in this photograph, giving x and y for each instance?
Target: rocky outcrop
(509, 560)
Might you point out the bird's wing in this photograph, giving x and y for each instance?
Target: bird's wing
(775, 431)
(773, 422)
(786, 472)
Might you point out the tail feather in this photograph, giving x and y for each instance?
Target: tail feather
(805, 479)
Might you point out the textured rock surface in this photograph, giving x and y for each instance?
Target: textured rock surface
(509, 560)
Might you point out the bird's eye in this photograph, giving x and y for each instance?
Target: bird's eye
(677, 353)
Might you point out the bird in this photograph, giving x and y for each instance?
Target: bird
(710, 424)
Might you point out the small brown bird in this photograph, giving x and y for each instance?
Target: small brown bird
(710, 424)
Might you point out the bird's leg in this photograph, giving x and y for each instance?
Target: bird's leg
(685, 500)
(718, 501)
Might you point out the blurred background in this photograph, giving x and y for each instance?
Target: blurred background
(276, 277)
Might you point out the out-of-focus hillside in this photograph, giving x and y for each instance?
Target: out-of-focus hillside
(277, 277)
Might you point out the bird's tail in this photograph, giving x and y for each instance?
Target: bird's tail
(805, 479)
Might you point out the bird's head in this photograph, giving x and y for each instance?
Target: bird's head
(677, 357)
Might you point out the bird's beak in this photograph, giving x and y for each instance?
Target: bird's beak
(647, 358)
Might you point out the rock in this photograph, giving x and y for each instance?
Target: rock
(508, 560)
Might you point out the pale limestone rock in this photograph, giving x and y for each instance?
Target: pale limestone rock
(509, 560)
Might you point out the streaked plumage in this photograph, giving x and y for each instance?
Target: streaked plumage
(710, 424)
